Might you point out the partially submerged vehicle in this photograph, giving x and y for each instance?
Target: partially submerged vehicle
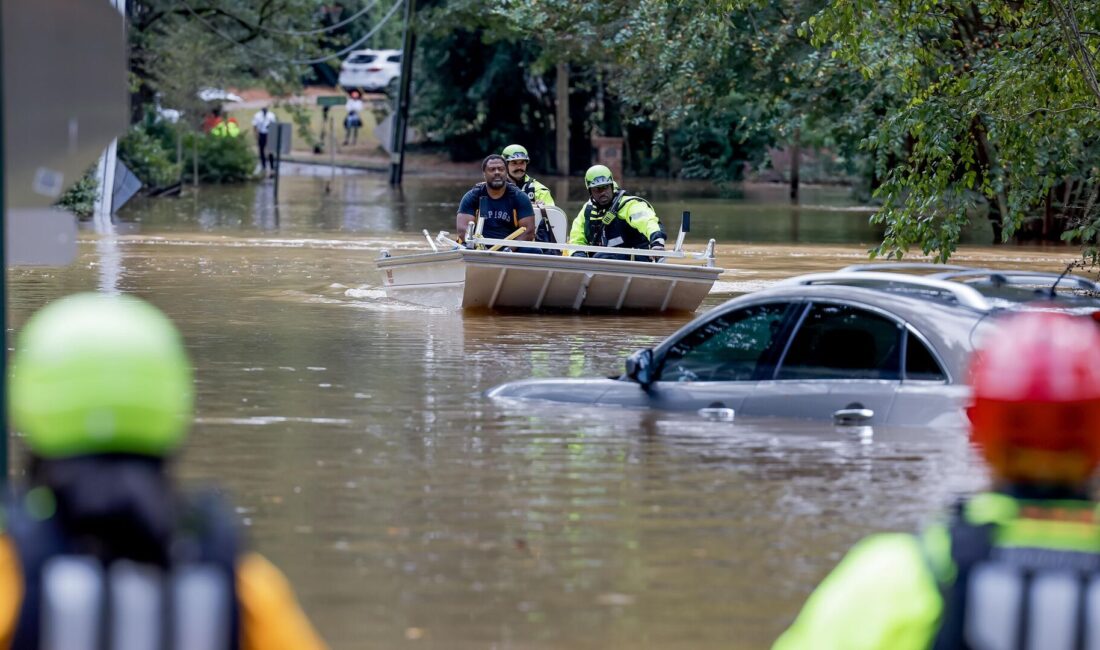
(481, 275)
(867, 345)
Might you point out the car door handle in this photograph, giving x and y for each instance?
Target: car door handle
(849, 416)
(717, 413)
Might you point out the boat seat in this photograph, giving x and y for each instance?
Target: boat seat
(555, 216)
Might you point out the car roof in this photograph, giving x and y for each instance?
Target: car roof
(375, 52)
(980, 289)
(946, 307)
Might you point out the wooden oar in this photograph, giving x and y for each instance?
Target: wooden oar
(522, 229)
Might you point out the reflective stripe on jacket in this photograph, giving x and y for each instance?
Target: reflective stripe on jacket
(51, 596)
(536, 191)
(965, 586)
(226, 128)
(629, 222)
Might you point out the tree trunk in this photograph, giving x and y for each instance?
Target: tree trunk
(561, 119)
(796, 158)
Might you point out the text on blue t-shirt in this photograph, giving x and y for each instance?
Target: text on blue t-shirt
(501, 215)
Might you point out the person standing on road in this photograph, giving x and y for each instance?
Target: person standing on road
(1017, 567)
(353, 120)
(100, 545)
(613, 218)
(502, 204)
(261, 125)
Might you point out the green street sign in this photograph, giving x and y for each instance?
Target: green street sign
(331, 100)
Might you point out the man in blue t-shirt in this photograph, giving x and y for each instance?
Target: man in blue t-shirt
(506, 207)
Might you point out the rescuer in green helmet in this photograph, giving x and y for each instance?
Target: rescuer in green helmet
(613, 218)
(101, 389)
(1017, 567)
(516, 158)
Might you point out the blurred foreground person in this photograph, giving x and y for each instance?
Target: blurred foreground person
(100, 550)
(1014, 568)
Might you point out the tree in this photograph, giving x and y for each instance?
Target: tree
(995, 109)
(178, 47)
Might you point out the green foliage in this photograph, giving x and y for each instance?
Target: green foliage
(477, 99)
(178, 48)
(80, 198)
(992, 107)
(147, 156)
(221, 160)
(712, 84)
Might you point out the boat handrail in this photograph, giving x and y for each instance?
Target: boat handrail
(708, 255)
(435, 249)
(965, 295)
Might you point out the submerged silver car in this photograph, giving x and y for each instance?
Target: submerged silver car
(870, 344)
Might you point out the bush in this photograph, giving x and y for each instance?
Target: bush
(145, 154)
(80, 198)
(221, 160)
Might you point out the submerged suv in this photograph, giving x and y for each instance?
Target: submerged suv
(870, 344)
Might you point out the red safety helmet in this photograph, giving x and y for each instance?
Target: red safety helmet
(1035, 414)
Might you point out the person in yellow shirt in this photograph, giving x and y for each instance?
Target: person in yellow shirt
(99, 548)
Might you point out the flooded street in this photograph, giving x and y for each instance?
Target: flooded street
(409, 511)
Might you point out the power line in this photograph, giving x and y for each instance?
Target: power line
(280, 59)
(330, 28)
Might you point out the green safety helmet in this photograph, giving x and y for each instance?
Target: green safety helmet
(598, 175)
(96, 374)
(515, 152)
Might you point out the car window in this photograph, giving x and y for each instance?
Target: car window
(726, 348)
(394, 58)
(843, 342)
(920, 365)
(362, 58)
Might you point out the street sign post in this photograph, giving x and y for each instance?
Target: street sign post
(331, 100)
(283, 134)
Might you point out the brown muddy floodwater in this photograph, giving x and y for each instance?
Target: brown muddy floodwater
(409, 511)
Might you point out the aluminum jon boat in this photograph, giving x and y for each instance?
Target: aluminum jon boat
(455, 276)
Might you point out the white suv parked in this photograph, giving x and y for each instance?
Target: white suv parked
(370, 70)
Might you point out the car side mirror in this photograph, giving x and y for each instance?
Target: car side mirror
(639, 367)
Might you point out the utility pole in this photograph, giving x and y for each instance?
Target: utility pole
(561, 119)
(108, 160)
(47, 142)
(401, 103)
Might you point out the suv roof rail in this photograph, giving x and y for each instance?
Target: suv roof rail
(963, 294)
(902, 266)
(998, 277)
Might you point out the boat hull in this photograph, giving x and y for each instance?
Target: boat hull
(477, 279)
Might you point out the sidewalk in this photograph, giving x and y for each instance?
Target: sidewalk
(416, 164)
